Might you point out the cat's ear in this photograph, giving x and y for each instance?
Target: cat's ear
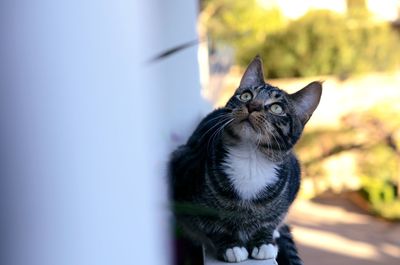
(306, 100)
(254, 75)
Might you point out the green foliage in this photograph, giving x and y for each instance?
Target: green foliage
(305, 47)
(325, 43)
(243, 25)
(379, 166)
(379, 163)
(379, 191)
(319, 43)
(357, 9)
(374, 138)
(382, 196)
(390, 211)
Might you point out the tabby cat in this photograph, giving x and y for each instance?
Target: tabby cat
(234, 180)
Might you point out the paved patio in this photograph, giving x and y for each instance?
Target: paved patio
(331, 230)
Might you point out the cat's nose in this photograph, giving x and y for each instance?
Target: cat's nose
(254, 106)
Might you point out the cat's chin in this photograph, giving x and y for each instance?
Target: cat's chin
(246, 132)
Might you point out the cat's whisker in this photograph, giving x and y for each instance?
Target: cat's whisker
(277, 142)
(218, 123)
(265, 132)
(258, 143)
(221, 116)
(217, 132)
(259, 139)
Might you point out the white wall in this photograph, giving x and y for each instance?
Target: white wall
(86, 126)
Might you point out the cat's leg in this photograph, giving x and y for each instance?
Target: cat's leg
(262, 245)
(228, 248)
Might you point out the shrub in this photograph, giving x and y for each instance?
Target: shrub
(373, 137)
(326, 43)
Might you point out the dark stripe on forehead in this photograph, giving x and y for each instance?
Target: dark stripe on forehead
(271, 92)
(274, 92)
(258, 89)
(252, 88)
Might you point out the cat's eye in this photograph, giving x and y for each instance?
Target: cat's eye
(276, 109)
(245, 96)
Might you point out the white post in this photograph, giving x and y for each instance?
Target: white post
(87, 124)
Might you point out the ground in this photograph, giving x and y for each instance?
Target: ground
(332, 230)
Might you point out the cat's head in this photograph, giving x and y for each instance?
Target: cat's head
(268, 116)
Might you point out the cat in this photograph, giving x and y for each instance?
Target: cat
(234, 180)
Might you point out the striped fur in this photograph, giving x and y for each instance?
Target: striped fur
(234, 180)
(288, 254)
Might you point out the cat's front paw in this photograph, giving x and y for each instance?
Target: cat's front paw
(265, 251)
(235, 254)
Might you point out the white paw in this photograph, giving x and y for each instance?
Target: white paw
(265, 252)
(276, 234)
(236, 254)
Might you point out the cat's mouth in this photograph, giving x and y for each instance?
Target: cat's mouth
(248, 121)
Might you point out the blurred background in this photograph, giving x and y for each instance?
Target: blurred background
(95, 94)
(348, 210)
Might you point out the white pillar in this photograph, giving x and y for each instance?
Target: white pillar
(87, 124)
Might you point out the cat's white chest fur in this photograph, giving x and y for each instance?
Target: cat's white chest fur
(249, 170)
